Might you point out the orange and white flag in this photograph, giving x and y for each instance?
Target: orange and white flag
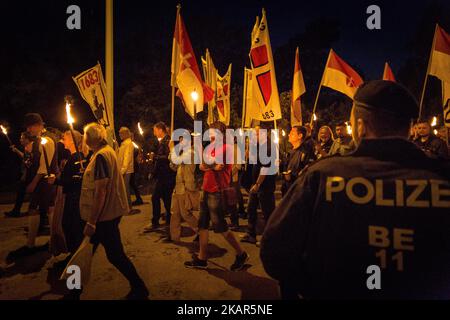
(440, 55)
(298, 89)
(185, 74)
(223, 96)
(387, 73)
(338, 75)
(266, 104)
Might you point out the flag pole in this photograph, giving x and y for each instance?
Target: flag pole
(172, 112)
(318, 91)
(244, 100)
(426, 74)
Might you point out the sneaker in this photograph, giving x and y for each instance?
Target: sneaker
(152, 227)
(249, 239)
(137, 202)
(240, 261)
(196, 263)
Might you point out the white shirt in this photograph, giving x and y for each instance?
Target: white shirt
(50, 150)
(126, 157)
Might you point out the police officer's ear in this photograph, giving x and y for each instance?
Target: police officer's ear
(361, 127)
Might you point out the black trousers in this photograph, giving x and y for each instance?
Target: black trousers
(20, 196)
(163, 190)
(266, 200)
(134, 187)
(71, 222)
(107, 234)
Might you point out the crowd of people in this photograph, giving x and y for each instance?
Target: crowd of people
(85, 187)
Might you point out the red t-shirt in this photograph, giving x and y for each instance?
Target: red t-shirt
(210, 183)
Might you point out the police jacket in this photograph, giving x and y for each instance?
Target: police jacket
(433, 147)
(385, 205)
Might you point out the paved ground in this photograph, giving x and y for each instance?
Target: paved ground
(159, 264)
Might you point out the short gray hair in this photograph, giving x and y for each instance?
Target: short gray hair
(94, 134)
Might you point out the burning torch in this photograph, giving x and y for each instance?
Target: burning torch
(5, 132)
(70, 121)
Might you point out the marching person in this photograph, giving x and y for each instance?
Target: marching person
(262, 192)
(428, 142)
(343, 143)
(103, 202)
(126, 159)
(299, 157)
(383, 207)
(212, 202)
(186, 195)
(164, 176)
(44, 164)
(26, 141)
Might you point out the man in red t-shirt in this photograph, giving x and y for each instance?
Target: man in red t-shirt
(217, 177)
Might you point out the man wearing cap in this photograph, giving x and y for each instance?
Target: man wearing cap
(44, 164)
(371, 224)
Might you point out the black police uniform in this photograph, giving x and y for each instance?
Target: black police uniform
(297, 160)
(433, 147)
(388, 208)
(385, 205)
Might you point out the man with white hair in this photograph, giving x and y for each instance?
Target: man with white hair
(103, 202)
(125, 158)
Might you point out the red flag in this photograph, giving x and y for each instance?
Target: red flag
(388, 74)
(185, 72)
(440, 56)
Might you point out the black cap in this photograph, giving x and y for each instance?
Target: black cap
(32, 119)
(387, 96)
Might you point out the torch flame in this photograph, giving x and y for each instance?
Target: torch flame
(5, 132)
(140, 129)
(70, 119)
(135, 145)
(276, 139)
(44, 141)
(283, 133)
(314, 117)
(434, 122)
(349, 128)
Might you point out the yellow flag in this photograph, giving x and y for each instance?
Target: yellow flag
(264, 85)
(223, 96)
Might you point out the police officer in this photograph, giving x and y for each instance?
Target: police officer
(376, 218)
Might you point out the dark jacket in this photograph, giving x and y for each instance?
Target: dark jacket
(433, 147)
(386, 204)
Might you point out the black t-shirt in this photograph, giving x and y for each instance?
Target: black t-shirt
(101, 170)
(268, 184)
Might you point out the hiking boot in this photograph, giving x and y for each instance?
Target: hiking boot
(240, 261)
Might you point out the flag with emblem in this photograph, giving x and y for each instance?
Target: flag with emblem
(266, 102)
(223, 96)
(387, 73)
(440, 55)
(298, 89)
(185, 74)
(340, 76)
(210, 74)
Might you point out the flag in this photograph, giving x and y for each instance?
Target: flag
(440, 55)
(266, 101)
(446, 102)
(91, 85)
(387, 73)
(223, 96)
(339, 76)
(210, 74)
(82, 258)
(185, 74)
(247, 99)
(298, 89)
